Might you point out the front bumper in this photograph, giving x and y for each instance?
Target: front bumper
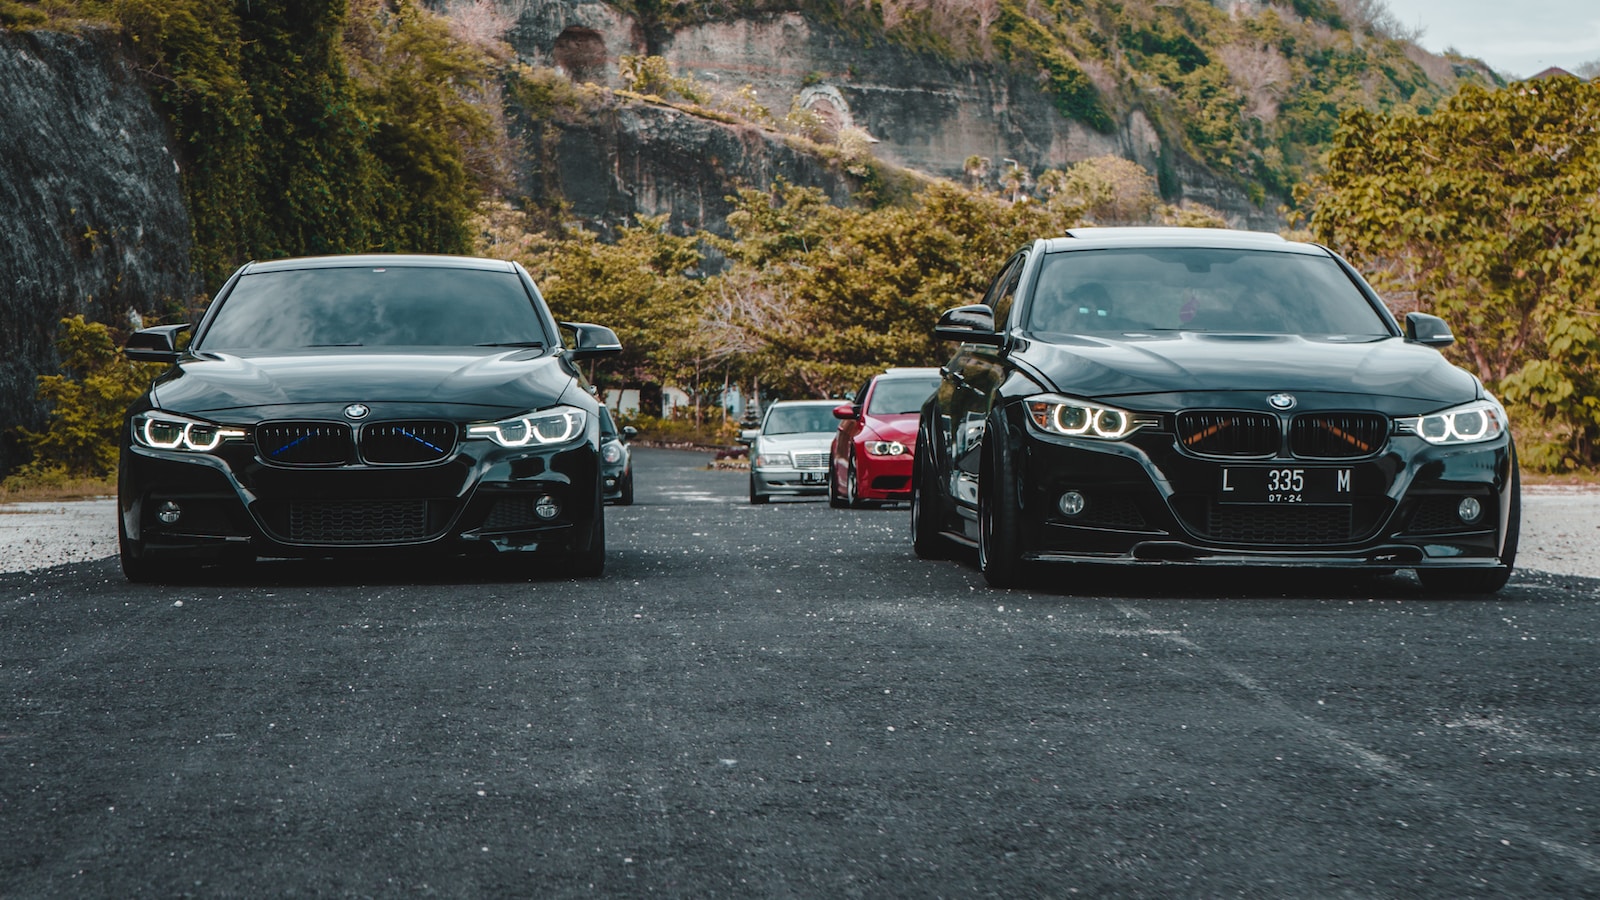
(1145, 502)
(789, 480)
(883, 477)
(483, 498)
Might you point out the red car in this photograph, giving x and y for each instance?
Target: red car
(870, 461)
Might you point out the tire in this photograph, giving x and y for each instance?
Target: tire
(999, 519)
(835, 500)
(757, 498)
(852, 498)
(1483, 581)
(627, 490)
(136, 567)
(927, 539)
(591, 563)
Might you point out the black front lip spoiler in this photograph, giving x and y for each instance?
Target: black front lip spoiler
(1146, 553)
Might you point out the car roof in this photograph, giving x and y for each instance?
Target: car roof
(1094, 237)
(397, 260)
(906, 372)
(802, 403)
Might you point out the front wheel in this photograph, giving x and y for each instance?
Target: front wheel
(999, 523)
(136, 566)
(835, 498)
(756, 497)
(927, 539)
(591, 562)
(627, 490)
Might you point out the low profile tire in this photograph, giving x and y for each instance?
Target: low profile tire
(756, 497)
(835, 499)
(1483, 581)
(852, 490)
(591, 563)
(927, 541)
(136, 567)
(627, 491)
(999, 523)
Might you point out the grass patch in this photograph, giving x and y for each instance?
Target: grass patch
(19, 489)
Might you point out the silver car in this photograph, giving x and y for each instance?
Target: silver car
(789, 452)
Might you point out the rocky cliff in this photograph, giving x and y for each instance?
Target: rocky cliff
(91, 204)
(925, 111)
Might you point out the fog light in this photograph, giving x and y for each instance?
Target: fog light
(546, 507)
(1469, 510)
(1072, 503)
(170, 513)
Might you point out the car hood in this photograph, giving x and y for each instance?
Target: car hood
(478, 382)
(902, 428)
(1095, 368)
(789, 443)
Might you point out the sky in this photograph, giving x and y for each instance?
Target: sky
(1515, 37)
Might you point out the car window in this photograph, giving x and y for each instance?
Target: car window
(394, 306)
(1189, 289)
(1003, 291)
(896, 396)
(799, 420)
(608, 427)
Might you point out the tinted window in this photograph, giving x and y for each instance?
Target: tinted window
(894, 396)
(608, 427)
(1243, 291)
(374, 307)
(799, 420)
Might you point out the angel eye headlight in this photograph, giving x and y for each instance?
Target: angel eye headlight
(1471, 423)
(1076, 418)
(557, 425)
(886, 448)
(165, 431)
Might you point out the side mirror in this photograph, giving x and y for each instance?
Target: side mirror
(846, 411)
(591, 341)
(1430, 331)
(749, 435)
(972, 324)
(158, 344)
(628, 431)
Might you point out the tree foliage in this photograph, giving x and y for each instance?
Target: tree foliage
(1485, 212)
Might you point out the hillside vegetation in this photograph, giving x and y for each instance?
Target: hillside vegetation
(315, 126)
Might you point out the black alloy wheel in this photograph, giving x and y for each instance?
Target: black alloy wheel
(927, 539)
(999, 520)
(136, 566)
(591, 562)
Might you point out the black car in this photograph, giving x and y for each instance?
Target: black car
(616, 460)
(1199, 396)
(365, 405)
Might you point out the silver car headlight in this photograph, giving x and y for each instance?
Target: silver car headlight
(547, 427)
(165, 431)
(768, 460)
(1470, 423)
(1055, 414)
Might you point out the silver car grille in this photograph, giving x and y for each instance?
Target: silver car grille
(811, 460)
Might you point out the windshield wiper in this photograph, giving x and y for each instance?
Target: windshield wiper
(351, 344)
(512, 344)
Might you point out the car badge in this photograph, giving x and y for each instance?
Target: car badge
(356, 411)
(1282, 401)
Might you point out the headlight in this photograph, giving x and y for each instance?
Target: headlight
(557, 425)
(765, 460)
(611, 453)
(1055, 414)
(165, 431)
(1471, 423)
(885, 448)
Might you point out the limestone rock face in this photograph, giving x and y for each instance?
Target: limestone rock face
(926, 112)
(91, 205)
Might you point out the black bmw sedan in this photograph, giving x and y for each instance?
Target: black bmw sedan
(365, 405)
(1202, 396)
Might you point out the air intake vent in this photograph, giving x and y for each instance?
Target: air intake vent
(358, 521)
(1263, 523)
(1231, 434)
(1338, 435)
(401, 443)
(303, 443)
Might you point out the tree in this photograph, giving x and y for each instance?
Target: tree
(1485, 212)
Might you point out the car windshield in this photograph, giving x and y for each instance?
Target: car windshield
(1187, 289)
(393, 306)
(897, 396)
(608, 427)
(799, 420)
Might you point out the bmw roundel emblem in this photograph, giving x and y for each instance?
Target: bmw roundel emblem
(1278, 401)
(356, 411)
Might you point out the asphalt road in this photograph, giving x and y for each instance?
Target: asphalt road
(781, 701)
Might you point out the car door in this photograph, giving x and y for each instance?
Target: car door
(970, 381)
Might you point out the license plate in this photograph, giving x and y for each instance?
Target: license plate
(813, 477)
(1292, 484)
